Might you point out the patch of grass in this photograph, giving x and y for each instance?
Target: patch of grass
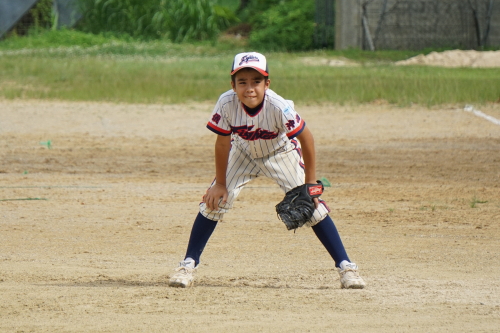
(58, 38)
(129, 80)
(69, 65)
(19, 199)
(125, 77)
(397, 85)
(475, 201)
(69, 43)
(382, 56)
(432, 207)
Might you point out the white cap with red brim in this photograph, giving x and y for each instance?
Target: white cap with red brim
(253, 60)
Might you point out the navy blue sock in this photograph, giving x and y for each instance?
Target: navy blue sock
(329, 236)
(200, 233)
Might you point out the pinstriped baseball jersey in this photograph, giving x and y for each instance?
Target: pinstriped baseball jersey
(259, 134)
(263, 145)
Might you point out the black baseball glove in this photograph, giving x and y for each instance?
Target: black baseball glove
(297, 207)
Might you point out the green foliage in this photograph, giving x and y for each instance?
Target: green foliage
(287, 26)
(186, 20)
(231, 4)
(42, 14)
(179, 20)
(118, 16)
(256, 8)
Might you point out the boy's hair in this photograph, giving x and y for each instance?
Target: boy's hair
(233, 77)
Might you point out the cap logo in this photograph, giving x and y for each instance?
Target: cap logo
(247, 58)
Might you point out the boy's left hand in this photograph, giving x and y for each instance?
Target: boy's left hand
(214, 194)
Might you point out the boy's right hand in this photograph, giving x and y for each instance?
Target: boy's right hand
(214, 194)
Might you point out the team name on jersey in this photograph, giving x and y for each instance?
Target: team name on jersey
(245, 132)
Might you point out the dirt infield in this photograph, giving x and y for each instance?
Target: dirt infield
(415, 195)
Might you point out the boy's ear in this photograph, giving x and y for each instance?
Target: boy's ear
(232, 84)
(268, 82)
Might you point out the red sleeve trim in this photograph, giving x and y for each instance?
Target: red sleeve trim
(217, 130)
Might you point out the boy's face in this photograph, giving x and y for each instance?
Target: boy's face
(250, 86)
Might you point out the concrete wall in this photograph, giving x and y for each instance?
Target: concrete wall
(348, 30)
(414, 24)
(11, 11)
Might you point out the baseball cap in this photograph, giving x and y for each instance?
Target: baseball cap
(253, 60)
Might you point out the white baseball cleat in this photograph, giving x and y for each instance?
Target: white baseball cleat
(184, 274)
(349, 276)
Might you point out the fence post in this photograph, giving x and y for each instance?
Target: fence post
(348, 27)
(488, 23)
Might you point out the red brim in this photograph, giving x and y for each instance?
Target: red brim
(261, 71)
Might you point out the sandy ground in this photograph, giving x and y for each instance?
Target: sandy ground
(450, 58)
(415, 195)
(456, 58)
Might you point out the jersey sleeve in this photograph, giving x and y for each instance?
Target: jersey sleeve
(218, 123)
(292, 122)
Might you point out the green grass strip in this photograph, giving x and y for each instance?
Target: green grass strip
(23, 199)
(181, 80)
(73, 66)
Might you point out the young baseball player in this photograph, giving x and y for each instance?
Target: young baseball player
(259, 133)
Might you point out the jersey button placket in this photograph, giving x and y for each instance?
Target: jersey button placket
(252, 143)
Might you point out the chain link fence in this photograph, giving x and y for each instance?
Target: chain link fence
(370, 24)
(419, 24)
(324, 30)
